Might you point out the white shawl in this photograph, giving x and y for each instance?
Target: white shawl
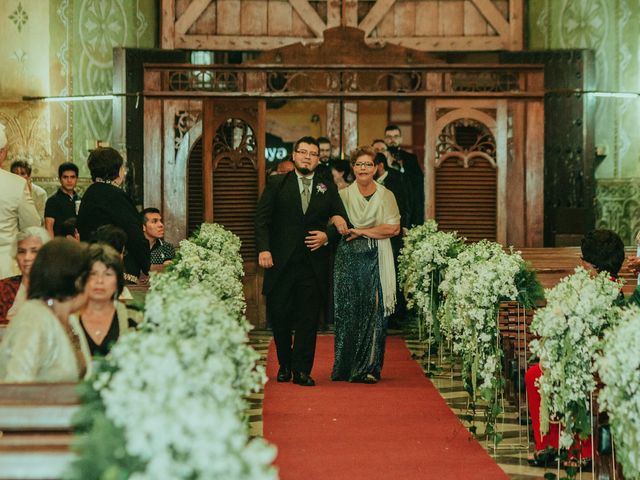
(380, 209)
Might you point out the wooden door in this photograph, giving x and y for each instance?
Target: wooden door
(233, 169)
(466, 167)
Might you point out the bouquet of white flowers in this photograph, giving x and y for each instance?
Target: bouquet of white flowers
(619, 370)
(421, 265)
(570, 329)
(168, 402)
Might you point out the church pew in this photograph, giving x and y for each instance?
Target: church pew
(36, 429)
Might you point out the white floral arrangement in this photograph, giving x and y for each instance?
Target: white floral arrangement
(474, 284)
(195, 313)
(176, 401)
(570, 329)
(197, 264)
(619, 370)
(171, 395)
(422, 262)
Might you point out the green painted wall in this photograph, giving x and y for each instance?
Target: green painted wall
(612, 29)
(84, 33)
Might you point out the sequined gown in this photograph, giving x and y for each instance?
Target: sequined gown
(360, 325)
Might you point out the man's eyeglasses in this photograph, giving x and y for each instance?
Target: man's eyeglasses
(363, 165)
(305, 153)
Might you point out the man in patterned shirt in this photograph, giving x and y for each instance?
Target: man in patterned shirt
(162, 252)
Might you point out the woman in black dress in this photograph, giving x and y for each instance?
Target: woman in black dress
(105, 203)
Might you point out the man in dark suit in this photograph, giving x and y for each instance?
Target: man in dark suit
(323, 170)
(292, 238)
(407, 164)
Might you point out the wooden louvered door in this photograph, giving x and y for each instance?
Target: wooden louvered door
(466, 198)
(466, 167)
(195, 201)
(233, 167)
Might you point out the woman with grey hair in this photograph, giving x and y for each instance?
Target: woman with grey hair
(13, 290)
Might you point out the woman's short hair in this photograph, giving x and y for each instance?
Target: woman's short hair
(113, 236)
(104, 163)
(363, 150)
(604, 250)
(103, 253)
(29, 232)
(60, 270)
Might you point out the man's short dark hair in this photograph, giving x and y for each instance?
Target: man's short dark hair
(323, 140)
(377, 140)
(66, 167)
(147, 210)
(104, 253)
(390, 127)
(380, 158)
(104, 163)
(308, 140)
(112, 236)
(604, 250)
(23, 164)
(68, 227)
(60, 270)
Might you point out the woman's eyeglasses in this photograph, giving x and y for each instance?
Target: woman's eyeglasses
(363, 165)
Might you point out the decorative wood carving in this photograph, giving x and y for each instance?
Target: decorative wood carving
(427, 25)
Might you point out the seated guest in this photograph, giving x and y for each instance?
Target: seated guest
(43, 342)
(39, 195)
(162, 253)
(13, 290)
(602, 251)
(104, 318)
(69, 229)
(62, 205)
(116, 239)
(105, 203)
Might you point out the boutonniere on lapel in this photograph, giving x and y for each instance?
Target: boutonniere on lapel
(321, 188)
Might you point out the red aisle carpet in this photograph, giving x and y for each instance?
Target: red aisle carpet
(400, 428)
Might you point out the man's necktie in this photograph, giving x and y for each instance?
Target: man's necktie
(306, 193)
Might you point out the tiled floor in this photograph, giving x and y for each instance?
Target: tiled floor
(511, 454)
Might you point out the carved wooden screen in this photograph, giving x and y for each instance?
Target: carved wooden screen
(233, 155)
(466, 180)
(195, 197)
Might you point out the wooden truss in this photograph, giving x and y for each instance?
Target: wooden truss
(427, 25)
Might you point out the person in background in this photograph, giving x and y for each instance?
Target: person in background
(17, 211)
(104, 319)
(105, 203)
(39, 195)
(341, 173)
(162, 253)
(323, 170)
(285, 166)
(43, 342)
(602, 251)
(407, 164)
(62, 205)
(69, 229)
(13, 290)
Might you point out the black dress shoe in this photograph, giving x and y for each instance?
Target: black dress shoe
(303, 379)
(284, 374)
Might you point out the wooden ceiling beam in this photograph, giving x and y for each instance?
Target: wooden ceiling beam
(190, 15)
(309, 16)
(489, 11)
(375, 15)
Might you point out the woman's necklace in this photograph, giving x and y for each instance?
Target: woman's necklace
(97, 324)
